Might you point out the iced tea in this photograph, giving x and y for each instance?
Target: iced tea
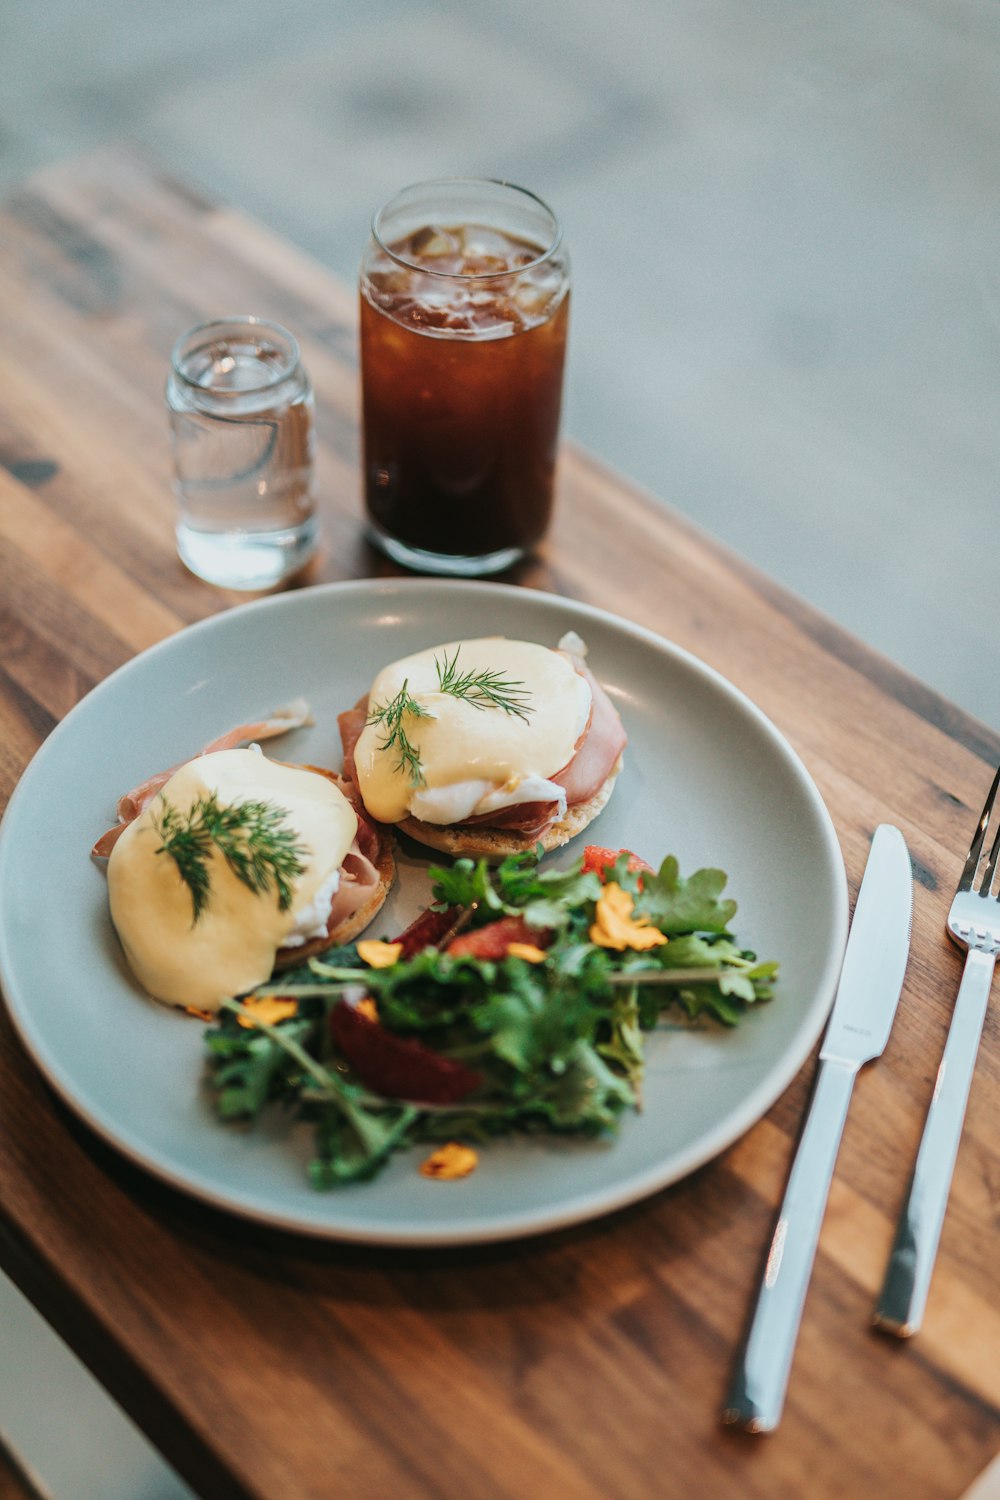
(463, 340)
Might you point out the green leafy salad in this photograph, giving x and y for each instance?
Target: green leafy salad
(519, 1001)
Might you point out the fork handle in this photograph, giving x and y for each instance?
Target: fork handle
(757, 1391)
(900, 1307)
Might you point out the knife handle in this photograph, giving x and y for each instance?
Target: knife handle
(757, 1391)
(901, 1303)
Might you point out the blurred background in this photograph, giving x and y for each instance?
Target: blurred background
(783, 218)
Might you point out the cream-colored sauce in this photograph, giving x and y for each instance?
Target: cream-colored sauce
(474, 759)
(231, 947)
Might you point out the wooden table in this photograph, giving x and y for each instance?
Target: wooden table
(589, 1364)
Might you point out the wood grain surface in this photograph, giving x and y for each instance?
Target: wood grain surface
(589, 1364)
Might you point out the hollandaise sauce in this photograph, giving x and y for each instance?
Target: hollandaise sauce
(229, 946)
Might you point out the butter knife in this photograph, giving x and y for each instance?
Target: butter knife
(870, 983)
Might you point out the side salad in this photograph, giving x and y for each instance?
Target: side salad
(519, 1001)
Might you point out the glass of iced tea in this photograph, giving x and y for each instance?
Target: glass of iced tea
(464, 311)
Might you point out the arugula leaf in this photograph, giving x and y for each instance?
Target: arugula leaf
(522, 884)
(347, 1153)
(624, 1048)
(467, 883)
(677, 905)
(248, 1069)
(516, 887)
(707, 999)
(586, 1094)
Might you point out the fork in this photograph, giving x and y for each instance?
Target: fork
(974, 924)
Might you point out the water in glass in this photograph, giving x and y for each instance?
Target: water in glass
(241, 420)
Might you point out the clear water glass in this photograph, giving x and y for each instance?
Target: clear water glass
(241, 423)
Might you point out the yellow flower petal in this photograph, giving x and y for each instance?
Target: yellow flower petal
(615, 927)
(366, 1007)
(268, 1008)
(641, 938)
(379, 955)
(527, 951)
(450, 1162)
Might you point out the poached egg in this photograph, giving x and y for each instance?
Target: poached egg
(475, 758)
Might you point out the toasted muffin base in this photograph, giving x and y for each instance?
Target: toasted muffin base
(479, 840)
(344, 932)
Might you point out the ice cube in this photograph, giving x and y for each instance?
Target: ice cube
(484, 265)
(432, 242)
(478, 241)
(508, 316)
(531, 299)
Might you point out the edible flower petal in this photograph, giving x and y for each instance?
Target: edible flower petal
(450, 1162)
(616, 927)
(268, 1008)
(528, 951)
(378, 955)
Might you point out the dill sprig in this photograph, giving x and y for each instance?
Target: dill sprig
(390, 717)
(249, 835)
(487, 688)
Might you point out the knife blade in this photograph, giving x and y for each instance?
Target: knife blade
(868, 991)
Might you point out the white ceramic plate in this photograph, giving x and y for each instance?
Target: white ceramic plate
(707, 777)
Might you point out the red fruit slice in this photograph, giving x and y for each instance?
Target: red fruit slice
(428, 930)
(398, 1067)
(599, 860)
(493, 940)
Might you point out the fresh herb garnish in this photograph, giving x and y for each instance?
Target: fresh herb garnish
(557, 1044)
(390, 717)
(250, 835)
(486, 688)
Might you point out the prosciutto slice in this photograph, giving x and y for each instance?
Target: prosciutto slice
(597, 751)
(358, 881)
(350, 723)
(134, 802)
(595, 756)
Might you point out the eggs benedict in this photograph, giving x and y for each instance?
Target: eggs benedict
(238, 865)
(486, 746)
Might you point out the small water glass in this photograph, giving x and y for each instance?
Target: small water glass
(241, 423)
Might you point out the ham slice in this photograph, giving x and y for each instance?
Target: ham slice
(358, 881)
(597, 752)
(351, 722)
(132, 803)
(595, 757)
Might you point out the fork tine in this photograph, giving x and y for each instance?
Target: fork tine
(991, 865)
(976, 847)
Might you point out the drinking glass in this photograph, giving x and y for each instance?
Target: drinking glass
(464, 292)
(241, 423)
